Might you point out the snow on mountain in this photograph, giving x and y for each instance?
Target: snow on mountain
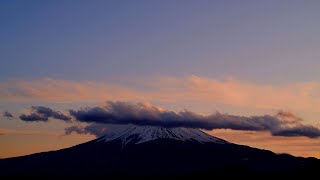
(141, 134)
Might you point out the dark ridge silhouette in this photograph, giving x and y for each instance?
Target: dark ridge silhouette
(162, 156)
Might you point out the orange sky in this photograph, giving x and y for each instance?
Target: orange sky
(199, 94)
(298, 146)
(17, 143)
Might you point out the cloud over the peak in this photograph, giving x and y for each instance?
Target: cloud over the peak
(41, 113)
(281, 124)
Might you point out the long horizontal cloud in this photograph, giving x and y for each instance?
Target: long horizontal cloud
(301, 130)
(282, 124)
(41, 113)
(192, 89)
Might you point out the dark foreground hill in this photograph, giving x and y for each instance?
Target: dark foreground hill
(157, 152)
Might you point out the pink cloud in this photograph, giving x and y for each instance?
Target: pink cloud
(193, 89)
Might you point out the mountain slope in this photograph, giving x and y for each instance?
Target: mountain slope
(148, 151)
(138, 134)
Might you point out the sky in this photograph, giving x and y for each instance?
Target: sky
(242, 58)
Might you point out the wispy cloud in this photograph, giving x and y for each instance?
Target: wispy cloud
(52, 90)
(7, 114)
(281, 124)
(299, 96)
(95, 129)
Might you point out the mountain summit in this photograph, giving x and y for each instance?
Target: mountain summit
(155, 151)
(141, 134)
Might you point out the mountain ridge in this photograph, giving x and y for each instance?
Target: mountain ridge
(157, 157)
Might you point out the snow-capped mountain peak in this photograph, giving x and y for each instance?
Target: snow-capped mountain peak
(141, 134)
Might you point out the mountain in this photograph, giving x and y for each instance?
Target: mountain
(156, 151)
(138, 134)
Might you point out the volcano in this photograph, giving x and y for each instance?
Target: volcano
(138, 134)
(156, 151)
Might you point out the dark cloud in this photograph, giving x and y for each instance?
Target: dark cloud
(299, 130)
(48, 112)
(33, 117)
(282, 124)
(8, 114)
(41, 113)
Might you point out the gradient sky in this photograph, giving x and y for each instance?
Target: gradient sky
(238, 57)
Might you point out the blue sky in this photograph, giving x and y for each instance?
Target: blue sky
(259, 41)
